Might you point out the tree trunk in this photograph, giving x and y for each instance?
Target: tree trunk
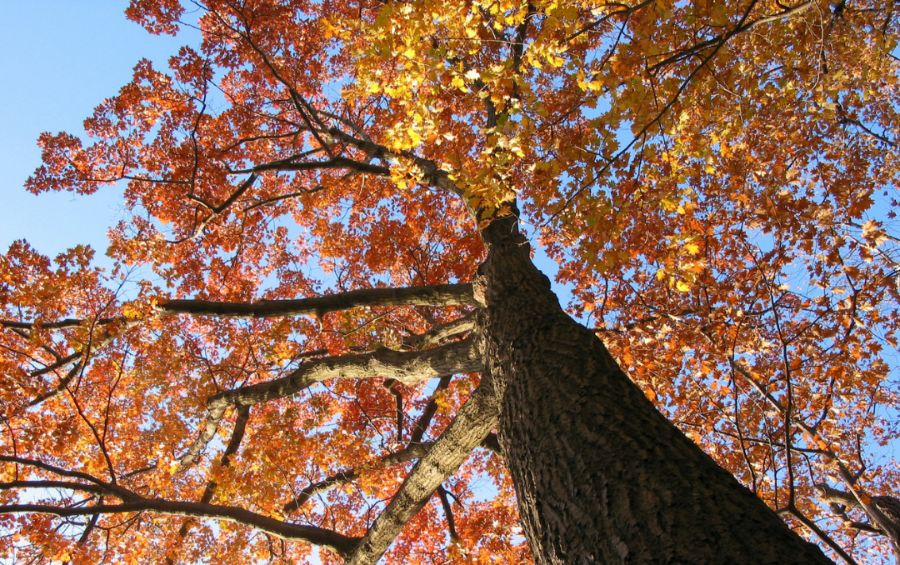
(601, 476)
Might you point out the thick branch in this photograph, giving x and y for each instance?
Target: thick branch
(319, 536)
(830, 494)
(436, 295)
(406, 367)
(473, 423)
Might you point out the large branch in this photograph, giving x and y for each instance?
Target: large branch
(473, 423)
(338, 542)
(406, 367)
(134, 502)
(435, 295)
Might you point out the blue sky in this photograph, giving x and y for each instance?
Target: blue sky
(61, 58)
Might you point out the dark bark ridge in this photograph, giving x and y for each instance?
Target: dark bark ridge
(600, 475)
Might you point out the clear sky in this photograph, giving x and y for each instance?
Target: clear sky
(60, 58)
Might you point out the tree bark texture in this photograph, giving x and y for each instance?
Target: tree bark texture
(601, 476)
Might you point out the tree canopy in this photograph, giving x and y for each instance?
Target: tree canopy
(288, 325)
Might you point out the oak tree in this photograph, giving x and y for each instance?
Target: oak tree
(323, 333)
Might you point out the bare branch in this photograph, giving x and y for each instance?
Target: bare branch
(327, 538)
(820, 533)
(333, 163)
(473, 423)
(435, 295)
(406, 367)
(237, 435)
(441, 332)
(92, 481)
(448, 513)
(58, 324)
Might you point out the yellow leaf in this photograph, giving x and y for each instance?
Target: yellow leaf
(682, 286)
(458, 82)
(131, 312)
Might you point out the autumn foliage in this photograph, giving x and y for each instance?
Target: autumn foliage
(716, 181)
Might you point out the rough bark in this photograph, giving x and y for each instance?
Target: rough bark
(408, 367)
(601, 476)
(472, 424)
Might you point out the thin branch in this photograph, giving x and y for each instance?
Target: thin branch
(280, 197)
(820, 533)
(421, 425)
(58, 324)
(433, 174)
(237, 435)
(408, 453)
(448, 514)
(713, 44)
(743, 26)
